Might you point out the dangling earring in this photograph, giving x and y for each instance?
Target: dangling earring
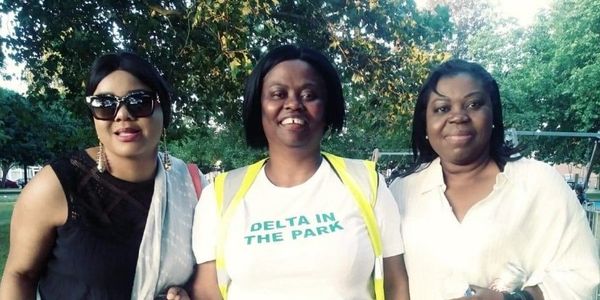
(101, 164)
(166, 160)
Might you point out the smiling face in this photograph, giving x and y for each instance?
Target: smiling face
(459, 120)
(293, 106)
(126, 136)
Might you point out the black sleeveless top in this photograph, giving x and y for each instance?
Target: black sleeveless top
(96, 250)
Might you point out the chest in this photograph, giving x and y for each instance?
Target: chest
(292, 234)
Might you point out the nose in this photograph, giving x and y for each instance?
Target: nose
(293, 102)
(459, 116)
(122, 113)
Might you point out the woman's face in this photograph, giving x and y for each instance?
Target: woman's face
(459, 119)
(293, 106)
(125, 135)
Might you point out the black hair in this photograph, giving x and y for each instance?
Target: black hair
(423, 153)
(335, 109)
(136, 66)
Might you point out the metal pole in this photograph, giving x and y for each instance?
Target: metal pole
(595, 135)
(589, 166)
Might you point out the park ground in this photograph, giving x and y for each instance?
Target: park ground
(7, 201)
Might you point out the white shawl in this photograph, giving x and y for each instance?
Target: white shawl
(165, 256)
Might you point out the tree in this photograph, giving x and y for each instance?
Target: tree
(469, 17)
(548, 76)
(25, 140)
(383, 50)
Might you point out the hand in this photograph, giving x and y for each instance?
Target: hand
(482, 294)
(177, 293)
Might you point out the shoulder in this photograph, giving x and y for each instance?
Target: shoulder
(524, 168)
(413, 181)
(43, 198)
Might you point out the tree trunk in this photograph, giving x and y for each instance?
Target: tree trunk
(25, 179)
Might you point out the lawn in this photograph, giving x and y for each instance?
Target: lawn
(6, 207)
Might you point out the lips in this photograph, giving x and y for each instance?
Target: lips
(293, 120)
(128, 134)
(460, 137)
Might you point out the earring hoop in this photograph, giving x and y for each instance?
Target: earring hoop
(100, 158)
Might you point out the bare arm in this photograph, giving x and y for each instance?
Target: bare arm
(395, 278)
(40, 208)
(205, 285)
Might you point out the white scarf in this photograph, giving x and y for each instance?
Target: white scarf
(165, 256)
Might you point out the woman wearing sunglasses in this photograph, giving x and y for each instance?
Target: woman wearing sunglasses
(102, 222)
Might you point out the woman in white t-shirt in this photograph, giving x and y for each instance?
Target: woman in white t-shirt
(479, 221)
(297, 232)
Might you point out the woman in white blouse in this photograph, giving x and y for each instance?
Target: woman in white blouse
(479, 221)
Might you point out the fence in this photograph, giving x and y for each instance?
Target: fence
(592, 210)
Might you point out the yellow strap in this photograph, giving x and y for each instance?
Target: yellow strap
(251, 173)
(220, 190)
(368, 215)
(365, 207)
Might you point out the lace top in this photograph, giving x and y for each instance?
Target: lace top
(96, 250)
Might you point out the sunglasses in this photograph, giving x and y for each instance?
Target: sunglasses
(139, 104)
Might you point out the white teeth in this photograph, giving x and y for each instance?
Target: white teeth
(292, 121)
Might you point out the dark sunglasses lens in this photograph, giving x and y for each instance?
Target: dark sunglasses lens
(103, 107)
(140, 105)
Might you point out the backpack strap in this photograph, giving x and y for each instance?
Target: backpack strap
(195, 174)
(344, 168)
(239, 182)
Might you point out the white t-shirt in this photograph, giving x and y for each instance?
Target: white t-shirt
(304, 242)
(530, 230)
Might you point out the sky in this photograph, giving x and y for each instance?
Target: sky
(523, 10)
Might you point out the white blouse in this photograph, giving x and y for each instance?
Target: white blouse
(530, 230)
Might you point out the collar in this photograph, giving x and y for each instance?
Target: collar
(433, 176)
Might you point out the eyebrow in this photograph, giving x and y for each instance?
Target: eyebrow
(128, 93)
(442, 96)
(309, 84)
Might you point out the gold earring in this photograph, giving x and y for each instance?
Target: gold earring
(101, 164)
(166, 160)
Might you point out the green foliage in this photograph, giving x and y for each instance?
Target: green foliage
(548, 75)
(34, 133)
(469, 17)
(383, 51)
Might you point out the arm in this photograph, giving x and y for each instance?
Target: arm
(204, 240)
(205, 285)
(40, 208)
(567, 265)
(395, 278)
(394, 270)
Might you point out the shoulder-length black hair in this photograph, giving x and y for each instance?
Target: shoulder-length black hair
(252, 112)
(136, 66)
(423, 153)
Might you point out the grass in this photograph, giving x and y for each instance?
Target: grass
(6, 207)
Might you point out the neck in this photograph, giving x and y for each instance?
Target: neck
(292, 167)
(130, 169)
(463, 173)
